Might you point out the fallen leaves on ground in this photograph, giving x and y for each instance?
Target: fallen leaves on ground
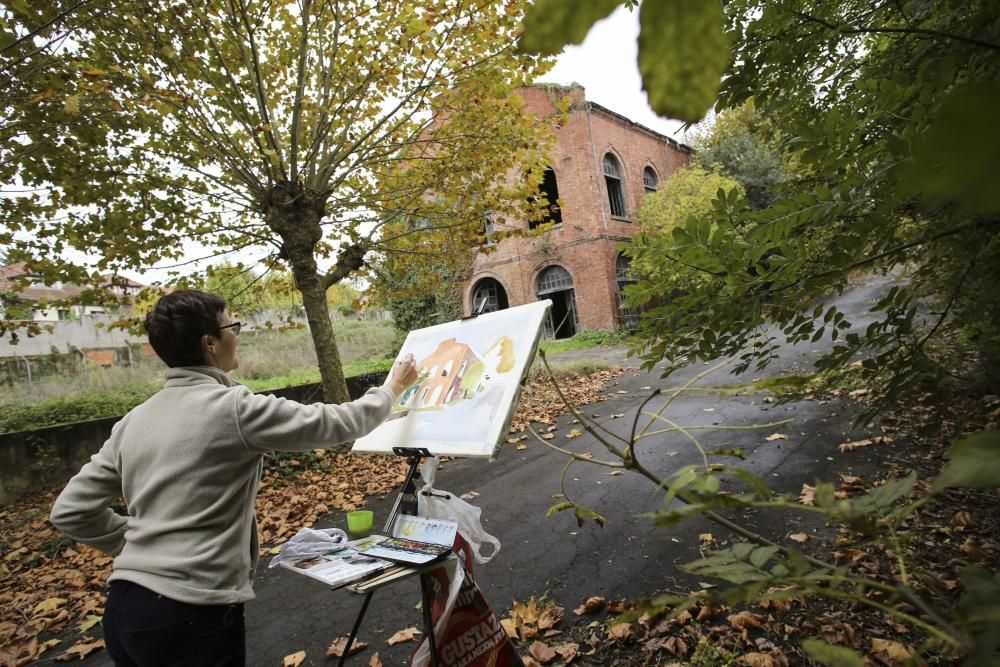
(590, 605)
(337, 647)
(407, 635)
(293, 660)
(375, 661)
(59, 585)
(540, 403)
(527, 620)
(80, 650)
(776, 436)
(542, 652)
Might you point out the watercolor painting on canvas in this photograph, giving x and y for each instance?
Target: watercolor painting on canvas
(470, 374)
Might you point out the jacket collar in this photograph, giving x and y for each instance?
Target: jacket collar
(184, 376)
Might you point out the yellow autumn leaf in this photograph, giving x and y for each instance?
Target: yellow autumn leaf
(574, 433)
(894, 650)
(89, 622)
(294, 660)
(48, 605)
(72, 105)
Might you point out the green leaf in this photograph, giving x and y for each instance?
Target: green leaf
(830, 655)
(884, 496)
(959, 155)
(683, 54)
(549, 25)
(974, 463)
(559, 507)
(761, 555)
(742, 549)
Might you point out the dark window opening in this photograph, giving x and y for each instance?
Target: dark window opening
(649, 180)
(550, 189)
(490, 296)
(628, 317)
(616, 191)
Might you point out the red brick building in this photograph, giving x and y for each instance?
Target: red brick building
(599, 170)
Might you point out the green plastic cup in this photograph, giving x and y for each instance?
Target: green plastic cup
(359, 524)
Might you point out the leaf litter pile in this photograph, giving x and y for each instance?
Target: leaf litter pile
(938, 541)
(53, 594)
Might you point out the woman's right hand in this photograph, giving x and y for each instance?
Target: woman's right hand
(404, 373)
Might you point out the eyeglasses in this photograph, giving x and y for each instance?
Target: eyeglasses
(235, 326)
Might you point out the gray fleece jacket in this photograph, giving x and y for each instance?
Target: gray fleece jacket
(187, 462)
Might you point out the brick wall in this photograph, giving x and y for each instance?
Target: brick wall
(586, 243)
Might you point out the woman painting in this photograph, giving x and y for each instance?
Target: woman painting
(187, 462)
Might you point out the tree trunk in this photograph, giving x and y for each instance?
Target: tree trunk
(295, 215)
(327, 355)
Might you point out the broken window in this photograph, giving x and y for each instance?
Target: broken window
(649, 180)
(616, 191)
(550, 189)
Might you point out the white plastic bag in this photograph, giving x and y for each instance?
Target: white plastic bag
(470, 527)
(310, 542)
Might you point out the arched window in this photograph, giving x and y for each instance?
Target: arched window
(489, 295)
(554, 279)
(628, 317)
(649, 180)
(550, 188)
(616, 190)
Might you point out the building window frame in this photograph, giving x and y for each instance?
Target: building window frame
(614, 181)
(650, 180)
(627, 317)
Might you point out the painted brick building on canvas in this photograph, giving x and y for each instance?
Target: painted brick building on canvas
(600, 168)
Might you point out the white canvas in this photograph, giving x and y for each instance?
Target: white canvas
(470, 378)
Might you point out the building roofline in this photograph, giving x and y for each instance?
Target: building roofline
(625, 119)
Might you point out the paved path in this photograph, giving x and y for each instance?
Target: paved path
(556, 557)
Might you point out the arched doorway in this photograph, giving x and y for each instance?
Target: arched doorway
(489, 295)
(556, 284)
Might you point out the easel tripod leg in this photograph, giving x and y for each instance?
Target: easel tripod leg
(354, 630)
(425, 589)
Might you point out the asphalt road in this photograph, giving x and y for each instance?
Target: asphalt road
(553, 556)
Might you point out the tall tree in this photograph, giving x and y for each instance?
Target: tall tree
(296, 130)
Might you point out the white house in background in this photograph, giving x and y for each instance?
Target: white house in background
(32, 302)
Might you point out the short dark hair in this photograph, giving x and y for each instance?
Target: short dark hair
(177, 323)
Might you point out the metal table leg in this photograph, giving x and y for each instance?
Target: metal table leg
(354, 630)
(425, 589)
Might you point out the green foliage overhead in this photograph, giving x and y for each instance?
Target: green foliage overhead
(683, 49)
(957, 160)
(683, 54)
(552, 24)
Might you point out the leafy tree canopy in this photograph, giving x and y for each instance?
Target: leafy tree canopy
(298, 131)
(688, 192)
(885, 107)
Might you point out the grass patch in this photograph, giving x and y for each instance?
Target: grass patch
(569, 370)
(585, 339)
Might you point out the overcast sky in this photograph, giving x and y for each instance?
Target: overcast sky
(605, 64)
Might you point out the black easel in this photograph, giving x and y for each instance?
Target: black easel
(405, 503)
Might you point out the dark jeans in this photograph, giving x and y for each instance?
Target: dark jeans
(143, 629)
